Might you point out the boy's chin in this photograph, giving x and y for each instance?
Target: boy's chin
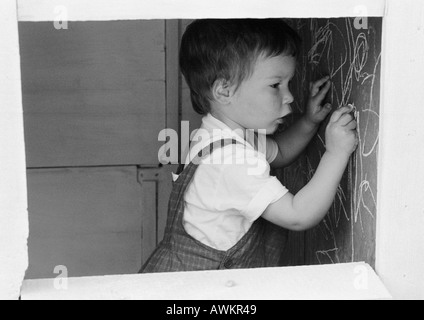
(272, 130)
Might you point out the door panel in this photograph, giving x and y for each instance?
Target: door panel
(95, 221)
(87, 219)
(93, 94)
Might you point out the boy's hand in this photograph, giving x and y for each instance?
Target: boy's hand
(341, 137)
(315, 113)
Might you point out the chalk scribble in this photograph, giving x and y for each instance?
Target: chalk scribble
(352, 59)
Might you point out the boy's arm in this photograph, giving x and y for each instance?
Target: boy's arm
(309, 206)
(295, 139)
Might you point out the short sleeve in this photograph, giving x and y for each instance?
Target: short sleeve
(247, 186)
(271, 149)
(268, 147)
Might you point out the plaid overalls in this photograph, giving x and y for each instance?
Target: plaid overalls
(261, 246)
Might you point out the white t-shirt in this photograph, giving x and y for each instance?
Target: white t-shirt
(231, 188)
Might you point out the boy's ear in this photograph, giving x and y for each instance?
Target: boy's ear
(222, 91)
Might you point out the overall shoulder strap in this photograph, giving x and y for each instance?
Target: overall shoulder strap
(176, 203)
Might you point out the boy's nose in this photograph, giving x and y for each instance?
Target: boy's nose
(288, 98)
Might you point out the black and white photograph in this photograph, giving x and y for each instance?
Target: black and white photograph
(224, 152)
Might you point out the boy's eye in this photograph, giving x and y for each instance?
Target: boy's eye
(275, 86)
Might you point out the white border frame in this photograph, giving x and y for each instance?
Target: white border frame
(398, 74)
(83, 10)
(13, 191)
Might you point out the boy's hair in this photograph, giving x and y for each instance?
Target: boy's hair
(227, 49)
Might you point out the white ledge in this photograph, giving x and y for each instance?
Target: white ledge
(352, 281)
(95, 10)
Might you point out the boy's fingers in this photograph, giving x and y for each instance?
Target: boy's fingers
(345, 119)
(317, 84)
(323, 92)
(340, 112)
(320, 82)
(326, 109)
(352, 125)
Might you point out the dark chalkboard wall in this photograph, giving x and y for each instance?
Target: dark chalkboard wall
(352, 57)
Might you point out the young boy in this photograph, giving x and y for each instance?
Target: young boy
(239, 72)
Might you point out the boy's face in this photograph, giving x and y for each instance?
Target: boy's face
(264, 99)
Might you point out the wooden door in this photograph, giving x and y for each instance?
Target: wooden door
(94, 100)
